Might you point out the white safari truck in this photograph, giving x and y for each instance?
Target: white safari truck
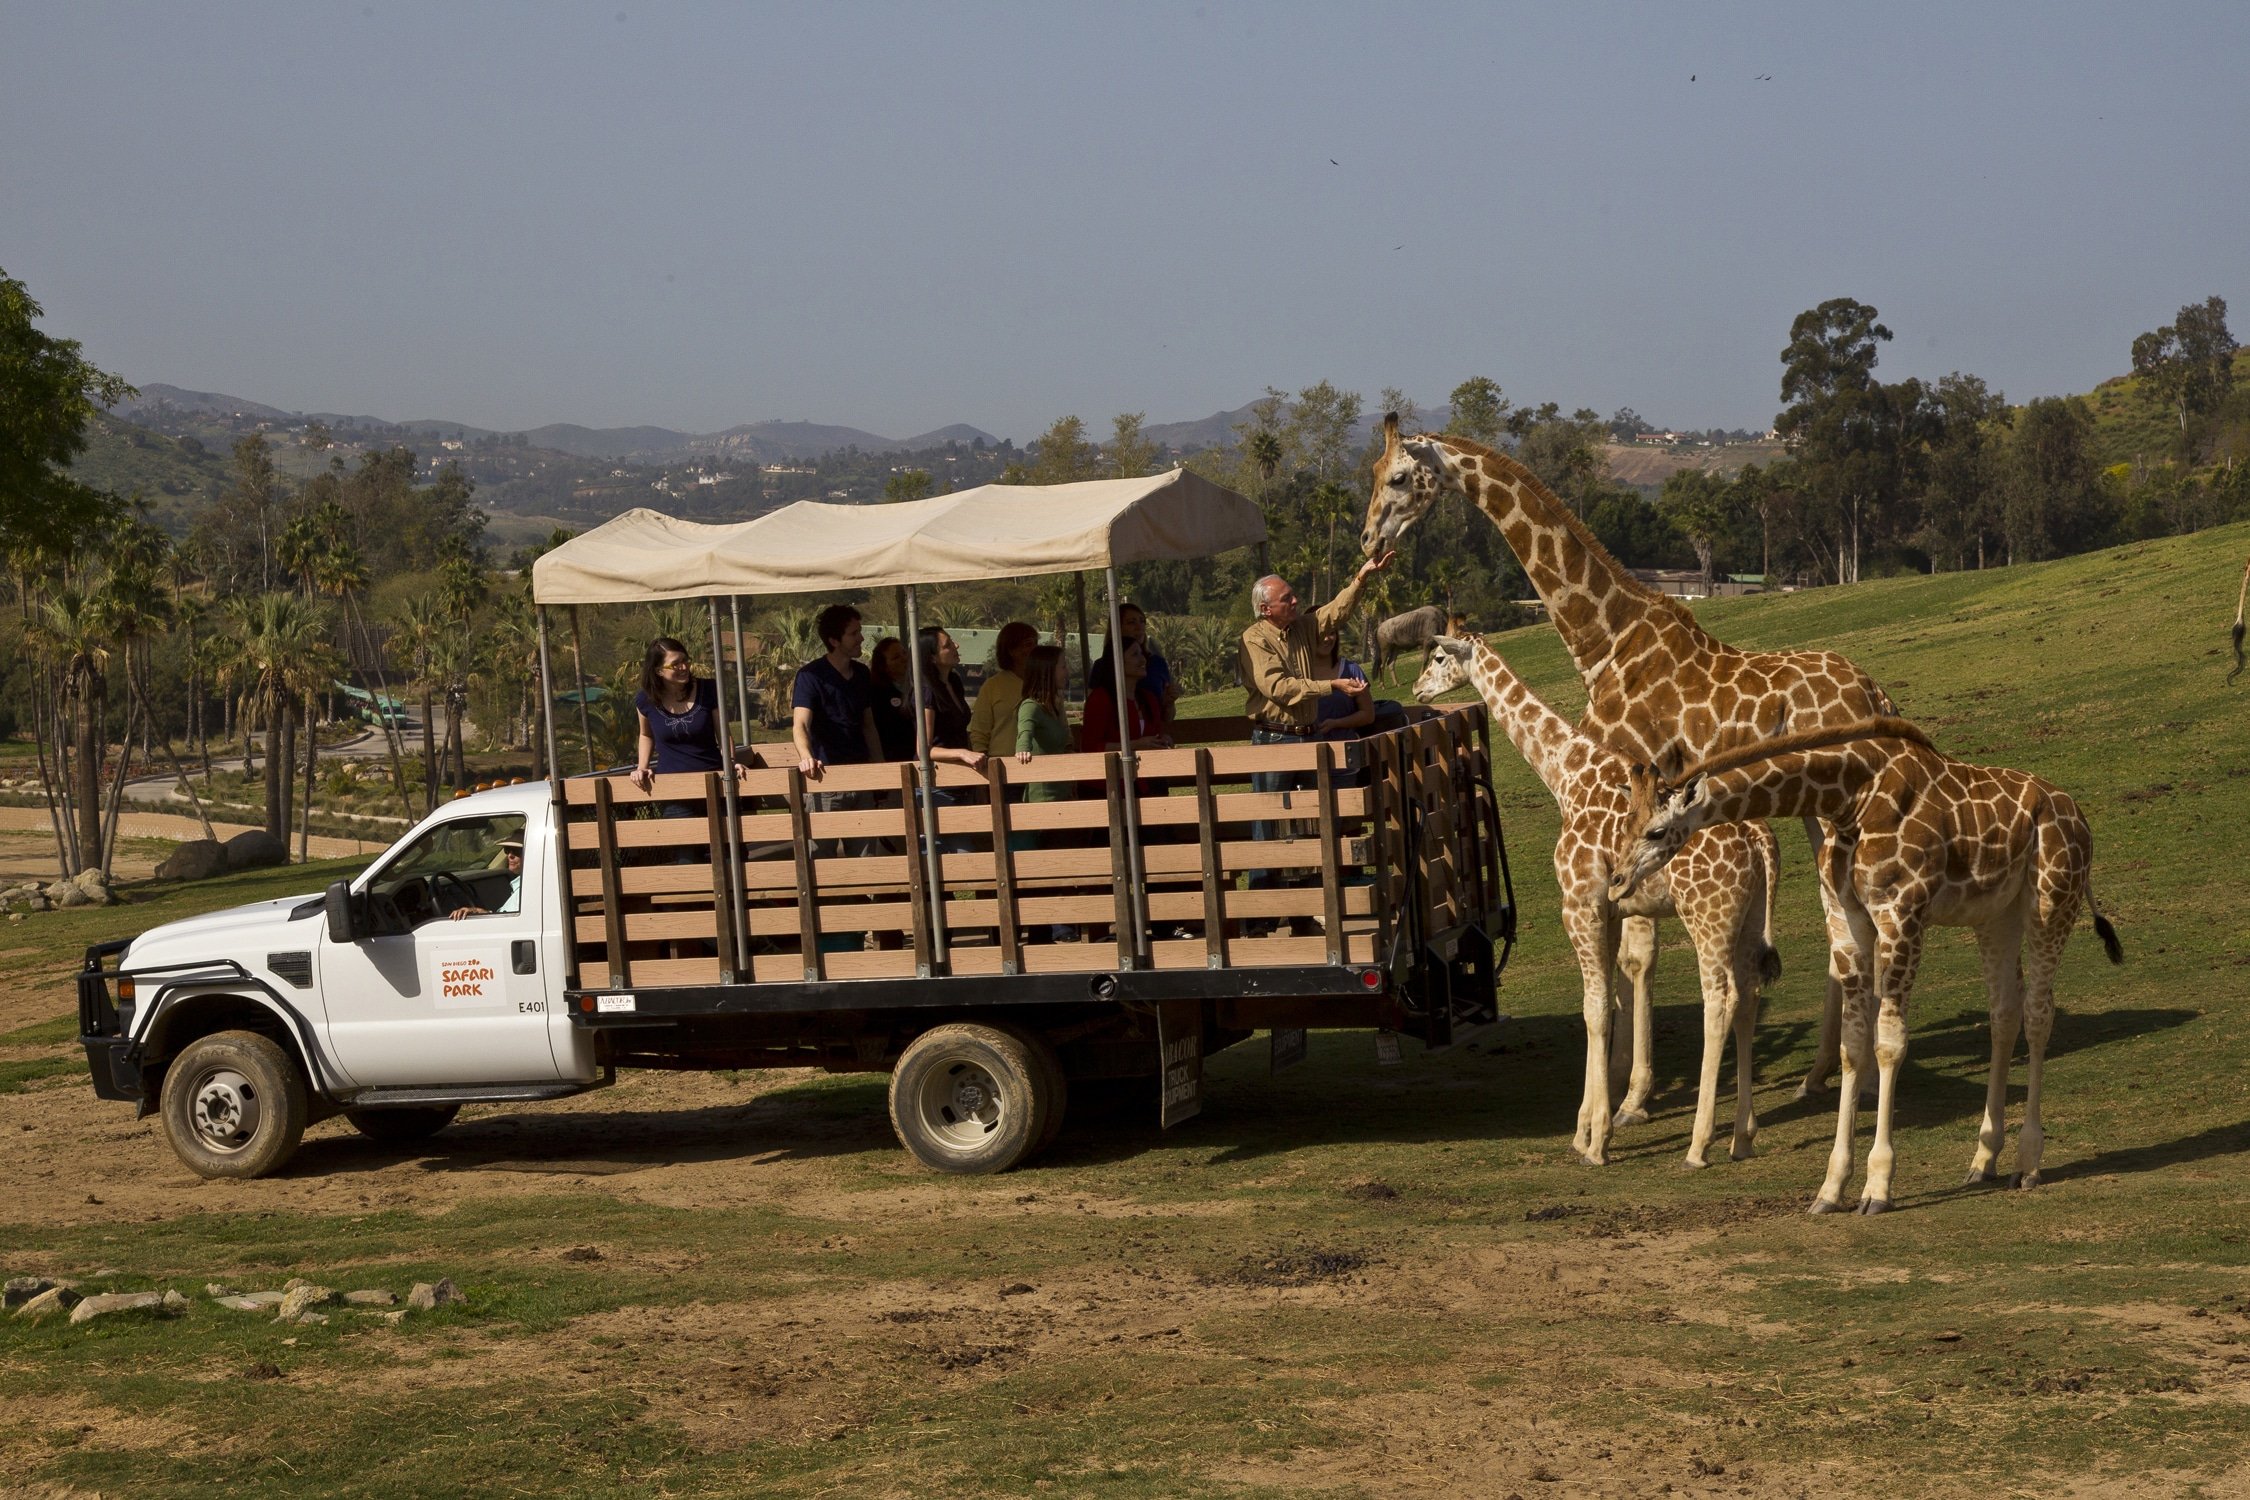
(525, 942)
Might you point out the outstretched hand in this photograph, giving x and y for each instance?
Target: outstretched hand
(1378, 563)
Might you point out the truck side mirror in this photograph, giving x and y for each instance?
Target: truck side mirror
(344, 925)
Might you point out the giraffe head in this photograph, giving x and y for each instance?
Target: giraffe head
(1676, 813)
(1409, 474)
(1447, 666)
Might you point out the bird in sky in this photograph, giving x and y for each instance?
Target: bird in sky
(1333, 162)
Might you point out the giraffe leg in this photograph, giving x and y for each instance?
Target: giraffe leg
(1594, 935)
(1746, 982)
(1898, 952)
(1855, 1052)
(1719, 1006)
(2000, 945)
(1824, 851)
(2047, 941)
(1636, 960)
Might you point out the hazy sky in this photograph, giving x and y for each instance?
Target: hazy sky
(897, 216)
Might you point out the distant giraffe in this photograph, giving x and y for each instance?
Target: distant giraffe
(2239, 601)
(1660, 689)
(1934, 843)
(1717, 889)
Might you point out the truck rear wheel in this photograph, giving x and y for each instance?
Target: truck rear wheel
(234, 1105)
(404, 1124)
(971, 1099)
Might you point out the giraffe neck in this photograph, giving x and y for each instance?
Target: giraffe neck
(1589, 595)
(1818, 783)
(1539, 734)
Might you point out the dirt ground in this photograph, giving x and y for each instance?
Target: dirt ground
(31, 856)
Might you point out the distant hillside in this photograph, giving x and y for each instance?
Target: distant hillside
(1647, 468)
(176, 476)
(156, 398)
(2131, 424)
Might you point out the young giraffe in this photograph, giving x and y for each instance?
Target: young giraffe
(1926, 841)
(1659, 687)
(1717, 890)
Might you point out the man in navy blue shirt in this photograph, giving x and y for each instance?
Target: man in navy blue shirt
(832, 709)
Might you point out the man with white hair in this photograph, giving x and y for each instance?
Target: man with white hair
(1279, 660)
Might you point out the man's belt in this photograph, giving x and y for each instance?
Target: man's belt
(1294, 731)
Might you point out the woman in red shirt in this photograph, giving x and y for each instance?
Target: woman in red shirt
(1144, 712)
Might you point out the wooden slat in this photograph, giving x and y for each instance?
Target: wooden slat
(917, 883)
(1003, 872)
(1331, 856)
(608, 877)
(1378, 788)
(808, 911)
(715, 830)
(1207, 844)
(975, 868)
(1120, 869)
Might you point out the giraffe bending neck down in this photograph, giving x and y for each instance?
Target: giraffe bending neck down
(1936, 843)
(1660, 689)
(1718, 889)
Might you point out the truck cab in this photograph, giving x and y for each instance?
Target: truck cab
(432, 980)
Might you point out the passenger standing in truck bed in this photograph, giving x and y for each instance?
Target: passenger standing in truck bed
(679, 714)
(832, 718)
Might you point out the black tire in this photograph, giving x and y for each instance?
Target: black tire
(1054, 1085)
(403, 1124)
(234, 1105)
(968, 1099)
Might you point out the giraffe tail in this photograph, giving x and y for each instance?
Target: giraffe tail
(1769, 847)
(2238, 659)
(2102, 929)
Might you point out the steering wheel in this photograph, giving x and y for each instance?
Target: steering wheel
(444, 904)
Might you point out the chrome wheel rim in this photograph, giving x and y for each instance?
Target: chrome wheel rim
(224, 1109)
(961, 1105)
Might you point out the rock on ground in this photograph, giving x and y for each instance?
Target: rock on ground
(55, 1299)
(301, 1299)
(371, 1298)
(426, 1297)
(195, 859)
(117, 1302)
(255, 847)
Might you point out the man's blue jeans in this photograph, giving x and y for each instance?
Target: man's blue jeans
(1274, 781)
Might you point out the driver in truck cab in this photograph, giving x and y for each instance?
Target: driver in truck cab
(512, 846)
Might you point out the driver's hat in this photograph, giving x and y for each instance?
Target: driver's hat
(513, 841)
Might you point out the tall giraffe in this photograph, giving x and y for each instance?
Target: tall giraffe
(1937, 844)
(1659, 687)
(1717, 889)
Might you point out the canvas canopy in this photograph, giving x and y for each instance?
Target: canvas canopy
(992, 531)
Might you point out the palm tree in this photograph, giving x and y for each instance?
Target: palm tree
(72, 639)
(283, 655)
(339, 573)
(421, 627)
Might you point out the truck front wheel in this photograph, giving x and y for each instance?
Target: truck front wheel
(970, 1099)
(234, 1105)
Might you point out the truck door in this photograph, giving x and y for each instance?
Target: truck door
(451, 987)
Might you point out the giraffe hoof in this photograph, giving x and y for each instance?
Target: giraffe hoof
(1823, 1206)
(1742, 1151)
(1979, 1177)
(1627, 1117)
(1874, 1205)
(1695, 1164)
(2026, 1180)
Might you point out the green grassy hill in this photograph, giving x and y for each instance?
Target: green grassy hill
(176, 479)
(2130, 423)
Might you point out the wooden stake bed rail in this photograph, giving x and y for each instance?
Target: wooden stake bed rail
(1379, 849)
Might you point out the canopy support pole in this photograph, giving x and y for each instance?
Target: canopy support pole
(912, 625)
(741, 666)
(558, 811)
(578, 669)
(1127, 760)
(732, 958)
(1085, 641)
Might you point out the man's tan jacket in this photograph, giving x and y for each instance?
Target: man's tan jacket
(1280, 668)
